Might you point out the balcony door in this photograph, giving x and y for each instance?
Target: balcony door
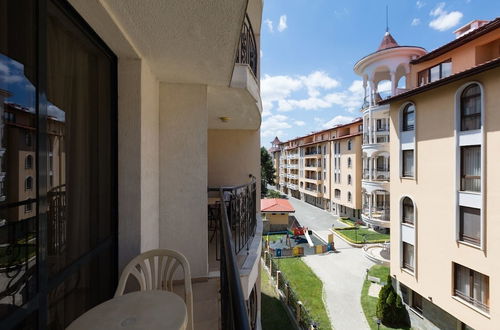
(58, 186)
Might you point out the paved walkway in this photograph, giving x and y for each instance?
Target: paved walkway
(342, 273)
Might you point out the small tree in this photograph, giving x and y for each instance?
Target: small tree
(390, 308)
(266, 170)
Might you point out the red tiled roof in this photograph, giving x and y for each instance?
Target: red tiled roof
(494, 24)
(275, 205)
(387, 42)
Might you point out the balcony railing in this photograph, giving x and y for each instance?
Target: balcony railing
(247, 47)
(237, 224)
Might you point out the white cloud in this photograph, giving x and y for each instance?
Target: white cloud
(350, 99)
(415, 22)
(276, 88)
(318, 79)
(269, 24)
(282, 24)
(261, 54)
(420, 4)
(444, 20)
(299, 123)
(338, 120)
(274, 126)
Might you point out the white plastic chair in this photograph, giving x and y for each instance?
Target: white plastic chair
(154, 270)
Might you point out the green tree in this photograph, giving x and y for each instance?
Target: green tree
(266, 170)
(273, 194)
(390, 309)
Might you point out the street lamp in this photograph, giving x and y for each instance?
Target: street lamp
(378, 324)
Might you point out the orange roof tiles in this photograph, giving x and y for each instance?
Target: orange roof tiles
(275, 205)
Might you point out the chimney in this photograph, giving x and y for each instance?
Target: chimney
(469, 27)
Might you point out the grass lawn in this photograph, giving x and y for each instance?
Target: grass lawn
(369, 303)
(347, 221)
(357, 236)
(308, 287)
(274, 316)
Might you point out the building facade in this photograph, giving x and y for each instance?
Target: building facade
(324, 169)
(444, 140)
(385, 73)
(117, 117)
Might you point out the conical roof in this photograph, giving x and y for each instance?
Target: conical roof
(276, 141)
(387, 42)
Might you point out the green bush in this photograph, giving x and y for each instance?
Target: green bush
(390, 308)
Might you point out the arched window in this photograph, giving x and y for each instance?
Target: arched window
(349, 162)
(28, 162)
(349, 196)
(349, 145)
(349, 179)
(470, 108)
(28, 183)
(337, 193)
(408, 211)
(409, 117)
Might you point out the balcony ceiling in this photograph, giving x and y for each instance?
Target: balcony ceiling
(188, 41)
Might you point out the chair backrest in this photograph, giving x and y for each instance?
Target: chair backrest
(155, 270)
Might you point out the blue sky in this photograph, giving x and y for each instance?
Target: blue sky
(309, 48)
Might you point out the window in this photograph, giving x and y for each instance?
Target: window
(349, 145)
(408, 211)
(470, 225)
(28, 183)
(360, 128)
(324, 150)
(27, 208)
(408, 257)
(349, 179)
(416, 302)
(470, 108)
(28, 139)
(440, 71)
(407, 163)
(337, 193)
(324, 189)
(28, 162)
(349, 196)
(409, 118)
(472, 286)
(349, 162)
(470, 168)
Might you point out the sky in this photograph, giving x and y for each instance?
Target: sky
(309, 48)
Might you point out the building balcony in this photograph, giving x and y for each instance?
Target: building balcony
(315, 156)
(234, 246)
(376, 219)
(313, 168)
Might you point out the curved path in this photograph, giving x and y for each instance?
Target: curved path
(342, 273)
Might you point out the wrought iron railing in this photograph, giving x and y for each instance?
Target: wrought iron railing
(237, 225)
(247, 47)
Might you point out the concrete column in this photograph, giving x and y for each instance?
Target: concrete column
(372, 92)
(183, 173)
(138, 159)
(393, 83)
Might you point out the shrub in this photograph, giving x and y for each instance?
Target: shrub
(390, 308)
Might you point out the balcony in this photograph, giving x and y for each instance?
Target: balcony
(241, 100)
(235, 235)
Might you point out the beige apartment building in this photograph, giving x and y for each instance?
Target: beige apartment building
(159, 133)
(323, 168)
(444, 142)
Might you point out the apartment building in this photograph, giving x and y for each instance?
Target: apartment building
(385, 74)
(444, 142)
(132, 121)
(323, 168)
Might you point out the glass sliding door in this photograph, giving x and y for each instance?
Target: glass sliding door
(58, 187)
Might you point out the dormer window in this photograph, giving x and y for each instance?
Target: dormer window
(440, 71)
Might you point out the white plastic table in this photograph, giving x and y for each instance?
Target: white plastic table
(136, 310)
